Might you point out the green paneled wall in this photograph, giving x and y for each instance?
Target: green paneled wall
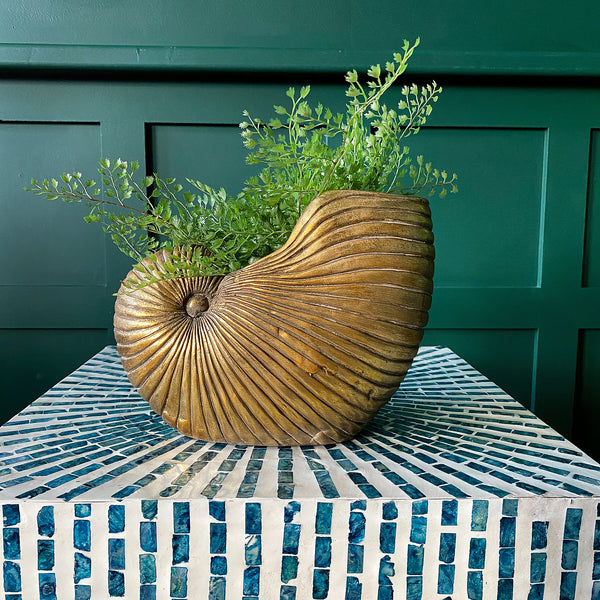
(518, 250)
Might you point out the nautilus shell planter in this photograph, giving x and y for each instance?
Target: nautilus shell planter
(300, 347)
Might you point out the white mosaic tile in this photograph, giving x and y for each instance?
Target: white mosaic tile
(453, 491)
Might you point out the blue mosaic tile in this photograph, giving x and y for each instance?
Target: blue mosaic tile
(323, 518)
(287, 592)
(477, 553)
(82, 567)
(320, 589)
(178, 587)
(10, 515)
(568, 584)
(414, 588)
(147, 568)
(253, 518)
(386, 571)
(148, 536)
(506, 566)
(355, 562)
(356, 533)
(447, 547)
(218, 538)
(572, 523)
(45, 521)
(539, 535)
(253, 549)
(289, 568)
(12, 543)
(389, 511)
(181, 516)
(445, 579)
(449, 512)
(538, 567)
(83, 592)
(12, 576)
(116, 554)
(507, 532)
(291, 538)
(218, 565)
(82, 535)
(251, 581)
(116, 519)
(505, 589)
(147, 592)
(149, 509)
(414, 563)
(83, 510)
(353, 589)
(475, 585)
(418, 530)
(479, 515)
(47, 586)
(216, 589)
(387, 537)
(569, 555)
(45, 555)
(181, 548)
(323, 552)
(116, 584)
(290, 512)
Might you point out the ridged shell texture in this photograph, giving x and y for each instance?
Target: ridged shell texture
(300, 347)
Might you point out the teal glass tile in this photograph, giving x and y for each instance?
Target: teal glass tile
(386, 571)
(45, 555)
(45, 521)
(477, 553)
(178, 586)
(116, 553)
(539, 535)
(289, 568)
(47, 586)
(116, 518)
(447, 547)
(11, 543)
(479, 515)
(147, 568)
(445, 579)
(320, 589)
(116, 584)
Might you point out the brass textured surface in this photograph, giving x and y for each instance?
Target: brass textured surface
(301, 347)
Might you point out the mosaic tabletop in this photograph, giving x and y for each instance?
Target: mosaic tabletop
(453, 491)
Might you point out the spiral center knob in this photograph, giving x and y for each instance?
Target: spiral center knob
(196, 304)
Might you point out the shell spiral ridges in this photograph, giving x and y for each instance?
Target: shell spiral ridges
(302, 346)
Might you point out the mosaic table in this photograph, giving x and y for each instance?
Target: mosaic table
(454, 491)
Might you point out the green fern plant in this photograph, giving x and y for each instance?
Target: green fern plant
(305, 151)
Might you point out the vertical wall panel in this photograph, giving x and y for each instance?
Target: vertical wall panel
(213, 154)
(591, 260)
(488, 235)
(54, 245)
(587, 405)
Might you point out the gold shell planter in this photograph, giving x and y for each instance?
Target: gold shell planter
(301, 347)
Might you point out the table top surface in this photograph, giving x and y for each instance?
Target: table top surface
(448, 432)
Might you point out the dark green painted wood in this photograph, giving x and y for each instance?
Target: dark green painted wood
(33, 360)
(587, 408)
(273, 35)
(517, 250)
